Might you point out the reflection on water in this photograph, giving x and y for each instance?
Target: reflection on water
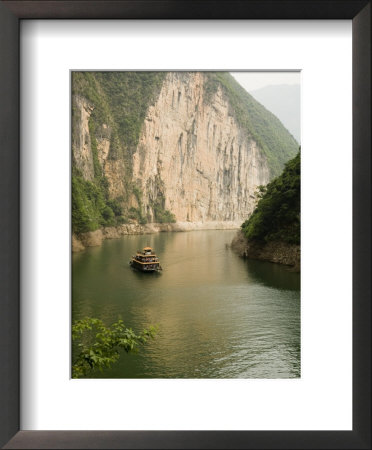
(273, 275)
(219, 316)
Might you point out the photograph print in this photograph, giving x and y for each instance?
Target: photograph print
(186, 224)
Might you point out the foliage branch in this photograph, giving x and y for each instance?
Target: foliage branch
(96, 346)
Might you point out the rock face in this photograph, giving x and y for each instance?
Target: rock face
(81, 140)
(276, 251)
(95, 238)
(114, 170)
(193, 157)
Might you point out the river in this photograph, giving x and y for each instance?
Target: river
(219, 316)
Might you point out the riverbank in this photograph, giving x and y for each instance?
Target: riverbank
(277, 251)
(95, 238)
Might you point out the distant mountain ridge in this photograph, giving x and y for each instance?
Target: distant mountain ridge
(284, 101)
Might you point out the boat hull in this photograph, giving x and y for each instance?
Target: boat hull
(151, 267)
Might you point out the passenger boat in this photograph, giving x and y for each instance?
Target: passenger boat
(146, 261)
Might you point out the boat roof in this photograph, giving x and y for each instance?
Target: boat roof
(147, 248)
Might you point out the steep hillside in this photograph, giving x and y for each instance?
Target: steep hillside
(161, 147)
(264, 127)
(277, 215)
(108, 110)
(284, 101)
(272, 232)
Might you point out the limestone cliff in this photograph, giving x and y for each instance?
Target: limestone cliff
(81, 140)
(185, 147)
(193, 155)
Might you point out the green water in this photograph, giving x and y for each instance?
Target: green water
(219, 316)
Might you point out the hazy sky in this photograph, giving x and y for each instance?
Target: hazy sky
(256, 80)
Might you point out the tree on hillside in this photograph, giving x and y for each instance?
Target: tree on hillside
(277, 215)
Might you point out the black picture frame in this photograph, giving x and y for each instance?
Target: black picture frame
(11, 12)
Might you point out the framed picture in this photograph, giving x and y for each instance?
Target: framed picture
(177, 435)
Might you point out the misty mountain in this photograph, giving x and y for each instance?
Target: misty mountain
(283, 101)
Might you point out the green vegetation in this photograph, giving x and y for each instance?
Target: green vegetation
(129, 94)
(136, 214)
(277, 215)
(95, 346)
(161, 215)
(264, 128)
(89, 208)
(119, 101)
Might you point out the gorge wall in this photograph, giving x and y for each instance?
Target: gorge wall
(188, 155)
(193, 155)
